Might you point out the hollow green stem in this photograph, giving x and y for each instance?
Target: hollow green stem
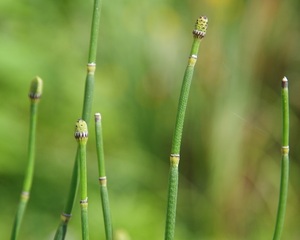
(102, 178)
(86, 113)
(35, 93)
(81, 135)
(198, 34)
(284, 181)
(91, 67)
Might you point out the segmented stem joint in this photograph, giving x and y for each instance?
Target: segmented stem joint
(65, 217)
(91, 68)
(174, 159)
(102, 181)
(25, 195)
(84, 201)
(192, 60)
(285, 150)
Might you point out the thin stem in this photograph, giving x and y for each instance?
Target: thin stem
(198, 34)
(91, 67)
(102, 178)
(86, 113)
(34, 95)
(81, 135)
(95, 31)
(284, 181)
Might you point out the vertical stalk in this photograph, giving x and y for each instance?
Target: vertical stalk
(102, 178)
(284, 181)
(81, 135)
(198, 34)
(86, 113)
(91, 66)
(34, 95)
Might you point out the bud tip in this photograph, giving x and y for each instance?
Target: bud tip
(36, 88)
(81, 130)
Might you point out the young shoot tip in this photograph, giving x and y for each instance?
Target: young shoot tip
(284, 82)
(200, 27)
(81, 130)
(36, 88)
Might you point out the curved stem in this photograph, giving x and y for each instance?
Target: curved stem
(198, 33)
(34, 95)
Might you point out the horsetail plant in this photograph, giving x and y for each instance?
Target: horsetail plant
(198, 34)
(102, 178)
(81, 135)
(35, 94)
(86, 113)
(284, 181)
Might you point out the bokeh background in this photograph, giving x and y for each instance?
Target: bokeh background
(230, 164)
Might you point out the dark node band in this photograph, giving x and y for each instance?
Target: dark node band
(84, 201)
(284, 84)
(34, 95)
(81, 135)
(198, 33)
(66, 215)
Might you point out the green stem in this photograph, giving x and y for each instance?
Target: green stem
(34, 95)
(95, 31)
(198, 33)
(102, 178)
(284, 181)
(86, 113)
(81, 134)
(91, 67)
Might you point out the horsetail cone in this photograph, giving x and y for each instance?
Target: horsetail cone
(81, 131)
(200, 27)
(36, 89)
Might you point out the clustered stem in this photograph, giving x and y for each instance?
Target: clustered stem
(198, 34)
(86, 113)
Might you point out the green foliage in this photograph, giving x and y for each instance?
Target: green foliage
(230, 181)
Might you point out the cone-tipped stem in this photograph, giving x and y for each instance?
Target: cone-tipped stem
(198, 33)
(36, 89)
(81, 135)
(102, 178)
(35, 93)
(86, 114)
(284, 181)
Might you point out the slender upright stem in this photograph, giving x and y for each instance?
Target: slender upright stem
(86, 114)
(91, 67)
(34, 95)
(81, 135)
(198, 34)
(102, 178)
(284, 181)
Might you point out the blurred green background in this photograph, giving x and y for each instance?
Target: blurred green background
(230, 164)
